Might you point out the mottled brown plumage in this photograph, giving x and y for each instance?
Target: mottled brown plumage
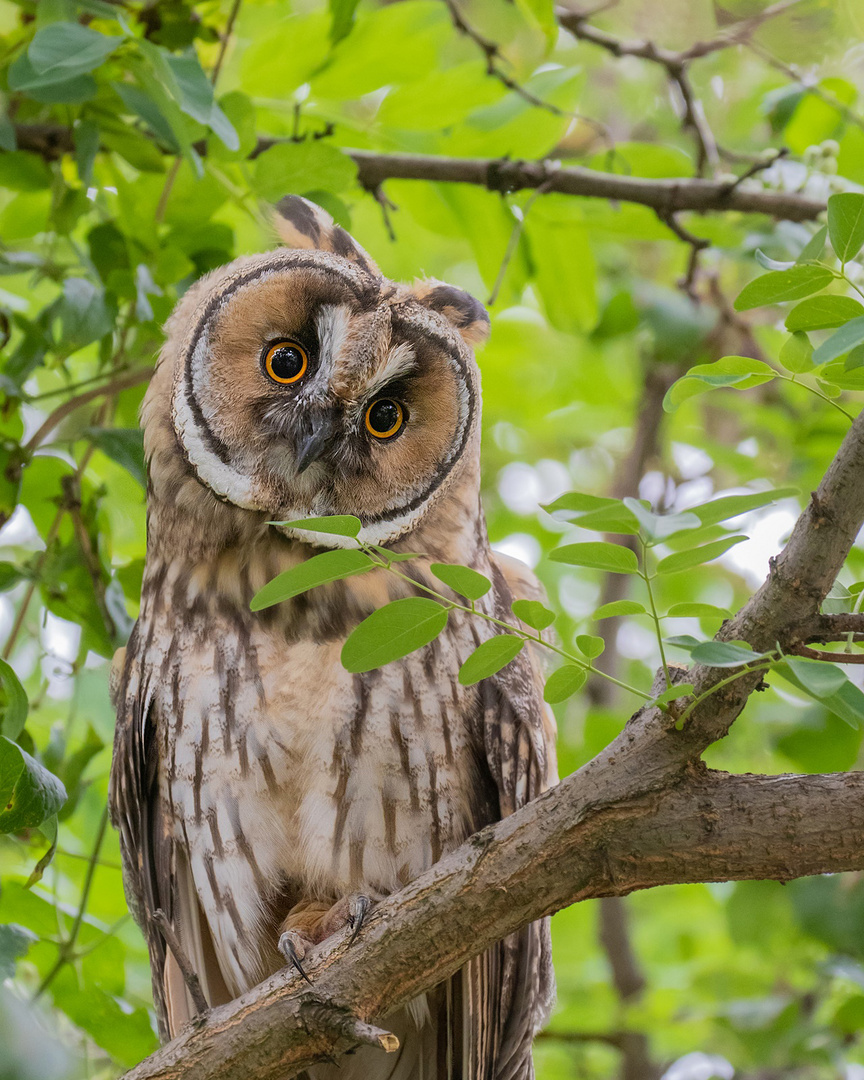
(258, 787)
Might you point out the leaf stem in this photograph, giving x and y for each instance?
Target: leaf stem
(454, 605)
(646, 577)
(713, 689)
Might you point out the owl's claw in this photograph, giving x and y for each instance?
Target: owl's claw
(358, 909)
(293, 948)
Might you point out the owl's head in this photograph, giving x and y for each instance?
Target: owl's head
(308, 384)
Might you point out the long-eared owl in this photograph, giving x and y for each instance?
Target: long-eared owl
(264, 795)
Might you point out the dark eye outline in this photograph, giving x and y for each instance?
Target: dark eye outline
(271, 350)
(398, 427)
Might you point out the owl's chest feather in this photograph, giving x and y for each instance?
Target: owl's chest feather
(299, 771)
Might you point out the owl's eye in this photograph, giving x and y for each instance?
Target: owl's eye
(384, 418)
(286, 362)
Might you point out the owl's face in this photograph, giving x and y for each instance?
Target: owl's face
(308, 384)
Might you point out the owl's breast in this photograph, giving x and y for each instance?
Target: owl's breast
(381, 772)
(286, 775)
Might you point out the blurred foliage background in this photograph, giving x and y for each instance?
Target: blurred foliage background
(128, 168)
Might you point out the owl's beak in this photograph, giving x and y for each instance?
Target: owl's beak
(312, 446)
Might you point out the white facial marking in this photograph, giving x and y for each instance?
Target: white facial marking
(400, 360)
(333, 322)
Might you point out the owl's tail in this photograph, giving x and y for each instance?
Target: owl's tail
(479, 1025)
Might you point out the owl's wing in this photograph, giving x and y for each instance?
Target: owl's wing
(155, 873)
(508, 990)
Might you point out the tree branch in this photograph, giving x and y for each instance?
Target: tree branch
(604, 831)
(665, 196)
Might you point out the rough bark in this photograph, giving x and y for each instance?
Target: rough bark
(602, 832)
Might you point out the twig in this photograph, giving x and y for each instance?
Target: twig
(493, 56)
(345, 1025)
(122, 382)
(513, 242)
(807, 86)
(676, 65)
(226, 37)
(72, 502)
(760, 166)
(833, 657)
(193, 983)
(67, 947)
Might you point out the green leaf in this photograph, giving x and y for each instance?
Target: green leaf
(685, 560)
(595, 512)
(846, 224)
(29, 793)
(13, 703)
(319, 570)
(613, 558)
(334, 524)
(724, 654)
(796, 353)
(684, 641)
(841, 341)
(590, 645)
(782, 285)
(770, 264)
(392, 632)
(341, 19)
(740, 372)
(563, 683)
(817, 677)
(14, 942)
(659, 526)
(52, 87)
(194, 94)
(614, 518)
(847, 702)
(68, 48)
(462, 579)
(489, 657)
(123, 445)
(823, 313)
(731, 506)
(302, 167)
(619, 607)
(814, 246)
(84, 314)
(533, 613)
(672, 693)
(581, 502)
(697, 611)
(23, 171)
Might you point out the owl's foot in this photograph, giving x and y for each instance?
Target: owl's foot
(312, 921)
(350, 911)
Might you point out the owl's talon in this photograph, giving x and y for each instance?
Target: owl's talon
(358, 909)
(293, 949)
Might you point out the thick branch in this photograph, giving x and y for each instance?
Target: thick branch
(800, 577)
(666, 197)
(602, 832)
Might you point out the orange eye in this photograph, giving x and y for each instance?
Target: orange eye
(286, 362)
(384, 418)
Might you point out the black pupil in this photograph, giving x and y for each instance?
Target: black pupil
(286, 362)
(384, 415)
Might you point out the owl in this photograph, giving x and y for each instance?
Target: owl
(265, 797)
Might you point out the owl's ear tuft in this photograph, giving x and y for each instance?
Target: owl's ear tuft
(460, 308)
(302, 224)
